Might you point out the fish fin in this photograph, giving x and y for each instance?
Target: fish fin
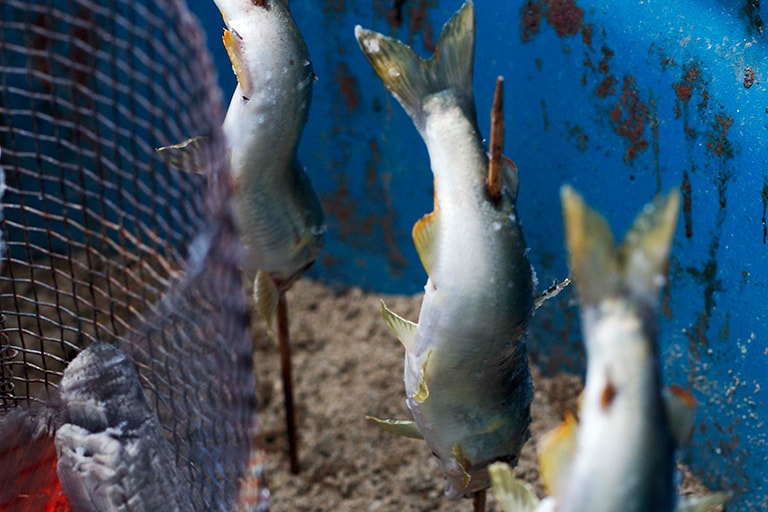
(234, 46)
(495, 162)
(461, 460)
(681, 413)
(705, 503)
(410, 78)
(405, 330)
(556, 451)
(591, 248)
(551, 292)
(187, 155)
(509, 176)
(424, 234)
(265, 296)
(404, 428)
(422, 391)
(512, 494)
(645, 251)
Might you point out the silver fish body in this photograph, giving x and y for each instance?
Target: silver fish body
(620, 453)
(279, 213)
(467, 380)
(626, 448)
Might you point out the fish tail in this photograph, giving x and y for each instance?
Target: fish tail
(637, 267)
(412, 79)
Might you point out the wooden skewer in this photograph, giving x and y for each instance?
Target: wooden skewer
(497, 141)
(479, 501)
(284, 344)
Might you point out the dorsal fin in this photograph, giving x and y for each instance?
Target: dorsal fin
(187, 156)
(233, 43)
(424, 238)
(556, 451)
(681, 412)
(404, 428)
(405, 330)
(266, 295)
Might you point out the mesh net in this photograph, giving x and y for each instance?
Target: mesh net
(104, 241)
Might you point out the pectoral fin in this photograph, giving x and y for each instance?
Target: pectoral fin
(405, 330)
(265, 296)
(424, 235)
(422, 392)
(556, 451)
(404, 428)
(187, 156)
(551, 292)
(234, 45)
(681, 413)
(513, 495)
(704, 503)
(461, 460)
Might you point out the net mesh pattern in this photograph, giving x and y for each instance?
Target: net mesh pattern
(104, 241)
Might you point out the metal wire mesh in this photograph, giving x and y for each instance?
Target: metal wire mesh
(106, 242)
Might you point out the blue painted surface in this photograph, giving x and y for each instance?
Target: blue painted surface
(619, 99)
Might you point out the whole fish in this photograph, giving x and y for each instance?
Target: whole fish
(467, 380)
(279, 215)
(620, 454)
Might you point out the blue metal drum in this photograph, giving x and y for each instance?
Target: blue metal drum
(622, 100)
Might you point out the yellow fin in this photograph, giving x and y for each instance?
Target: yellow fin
(424, 233)
(681, 413)
(186, 156)
(266, 295)
(405, 330)
(463, 463)
(422, 392)
(404, 428)
(234, 46)
(705, 503)
(412, 79)
(512, 494)
(556, 450)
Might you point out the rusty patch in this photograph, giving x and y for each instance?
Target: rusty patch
(565, 16)
(752, 12)
(607, 85)
(685, 187)
(629, 114)
(691, 81)
(530, 20)
(420, 23)
(577, 134)
(586, 35)
(749, 77)
(544, 115)
(717, 138)
(348, 86)
(395, 14)
(654, 124)
(337, 6)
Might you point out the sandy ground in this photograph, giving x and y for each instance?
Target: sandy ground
(346, 365)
